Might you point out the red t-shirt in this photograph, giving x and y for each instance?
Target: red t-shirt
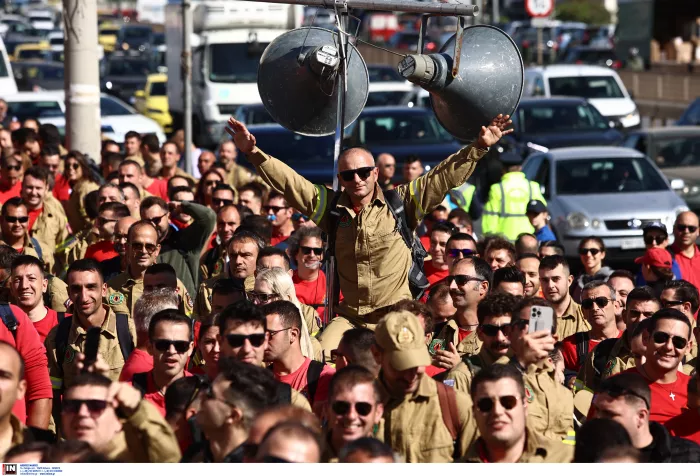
(159, 188)
(690, 267)
(425, 239)
(278, 238)
(153, 395)
(44, 326)
(568, 350)
(138, 362)
(101, 251)
(463, 334)
(433, 274)
(432, 370)
(61, 188)
(298, 381)
(7, 193)
(33, 215)
(686, 425)
(663, 407)
(311, 292)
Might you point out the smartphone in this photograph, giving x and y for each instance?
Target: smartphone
(92, 342)
(541, 319)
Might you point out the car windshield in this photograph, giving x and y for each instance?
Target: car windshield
(111, 107)
(560, 118)
(589, 56)
(254, 115)
(159, 89)
(418, 129)
(44, 72)
(586, 86)
(135, 34)
(599, 176)
(109, 31)
(295, 147)
(676, 151)
(128, 67)
(235, 62)
(381, 75)
(385, 98)
(36, 109)
(32, 54)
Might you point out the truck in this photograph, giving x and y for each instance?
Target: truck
(151, 11)
(228, 39)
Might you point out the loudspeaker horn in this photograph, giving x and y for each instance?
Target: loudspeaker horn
(298, 81)
(487, 79)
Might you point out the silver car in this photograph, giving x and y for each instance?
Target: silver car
(609, 192)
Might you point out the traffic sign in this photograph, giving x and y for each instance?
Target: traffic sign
(539, 8)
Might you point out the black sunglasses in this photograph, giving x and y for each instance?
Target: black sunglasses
(663, 337)
(156, 220)
(585, 251)
(341, 407)
(601, 302)
(273, 209)
(461, 279)
(16, 219)
(492, 331)
(686, 228)
(74, 166)
(237, 340)
(163, 345)
(307, 250)
(261, 297)
(655, 240)
(95, 407)
(362, 172)
(16, 168)
(149, 247)
(456, 253)
(665, 303)
(486, 404)
(222, 201)
(209, 183)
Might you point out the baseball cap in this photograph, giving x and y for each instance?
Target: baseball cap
(401, 335)
(658, 257)
(510, 158)
(536, 206)
(655, 225)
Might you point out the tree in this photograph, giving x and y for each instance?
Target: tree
(592, 12)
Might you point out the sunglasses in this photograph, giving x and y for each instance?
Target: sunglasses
(341, 407)
(462, 279)
(457, 253)
(156, 220)
(274, 333)
(149, 247)
(273, 209)
(492, 331)
(16, 219)
(72, 166)
(601, 302)
(615, 391)
(362, 173)
(260, 298)
(585, 251)
(210, 183)
(16, 168)
(222, 201)
(237, 340)
(486, 404)
(686, 228)
(299, 216)
(307, 250)
(108, 220)
(665, 303)
(663, 337)
(163, 345)
(655, 240)
(95, 407)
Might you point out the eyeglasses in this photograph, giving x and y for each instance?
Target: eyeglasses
(273, 209)
(457, 253)
(150, 248)
(16, 168)
(655, 240)
(210, 183)
(274, 333)
(156, 220)
(260, 298)
(307, 250)
(107, 220)
(17, 219)
(341, 407)
(362, 173)
(237, 340)
(222, 201)
(585, 251)
(492, 331)
(462, 279)
(601, 302)
(615, 391)
(486, 404)
(163, 345)
(298, 216)
(73, 166)
(663, 337)
(665, 303)
(686, 228)
(95, 407)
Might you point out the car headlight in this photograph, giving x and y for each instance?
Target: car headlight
(632, 115)
(125, 46)
(154, 111)
(577, 221)
(690, 189)
(108, 84)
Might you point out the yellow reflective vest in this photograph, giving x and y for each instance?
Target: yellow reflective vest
(504, 213)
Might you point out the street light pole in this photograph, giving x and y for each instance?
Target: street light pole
(187, 81)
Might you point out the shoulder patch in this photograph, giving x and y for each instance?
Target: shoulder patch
(529, 394)
(609, 367)
(345, 221)
(69, 355)
(115, 298)
(449, 382)
(68, 303)
(188, 298)
(218, 267)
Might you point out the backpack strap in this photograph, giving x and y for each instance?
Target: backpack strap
(602, 354)
(582, 346)
(37, 247)
(284, 394)
(397, 209)
(333, 222)
(62, 334)
(140, 382)
(126, 344)
(313, 373)
(448, 407)
(61, 316)
(9, 319)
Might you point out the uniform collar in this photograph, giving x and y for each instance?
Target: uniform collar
(572, 310)
(109, 326)
(426, 388)
(17, 430)
(378, 199)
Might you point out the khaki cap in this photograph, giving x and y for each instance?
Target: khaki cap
(401, 335)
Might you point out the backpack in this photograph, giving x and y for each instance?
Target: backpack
(140, 382)
(601, 356)
(582, 340)
(417, 280)
(450, 412)
(9, 319)
(313, 373)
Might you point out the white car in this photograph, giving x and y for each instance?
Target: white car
(42, 19)
(389, 93)
(55, 39)
(601, 86)
(49, 107)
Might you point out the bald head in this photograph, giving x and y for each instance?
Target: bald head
(124, 224)
(361, 186)
(686, 231)
(355, 158)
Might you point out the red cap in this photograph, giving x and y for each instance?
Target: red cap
(658, 257)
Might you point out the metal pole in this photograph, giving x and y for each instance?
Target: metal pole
(83, 91)
(496, 15)
(540, 59)
(408, 6)
(187, 81)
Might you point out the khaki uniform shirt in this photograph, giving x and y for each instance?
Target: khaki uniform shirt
(109, 350)
(414, 427)
(219, 262)
(202, 302)
(73, 249)
(460, 377)
(619, 360)
(537, 450)
(124, 291)
(572, 321)
(75, 209)
(470, 345)
(240, 176)
(17, 433)
(373, 260)
(50, 229)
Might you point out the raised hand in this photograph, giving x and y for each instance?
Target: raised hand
(244, 140)
(492, 134)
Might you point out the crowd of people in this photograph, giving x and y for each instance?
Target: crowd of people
(217, 342)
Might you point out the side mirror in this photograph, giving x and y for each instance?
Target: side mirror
(140, 94)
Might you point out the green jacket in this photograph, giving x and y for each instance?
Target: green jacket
(504, 213)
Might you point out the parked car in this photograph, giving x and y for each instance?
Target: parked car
(691, 116)
(125, 73)
(152, 101)
(581, 183)
(36, 75)
(32, 51)
(134, 37)
(107, 36)
(388, 93)
(547, 123)
(601, 86)
(253, 114)
(604, 56)
(676, 151)
(382, 73)
(7, 79)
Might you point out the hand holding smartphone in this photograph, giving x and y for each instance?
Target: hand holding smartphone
(541, 319)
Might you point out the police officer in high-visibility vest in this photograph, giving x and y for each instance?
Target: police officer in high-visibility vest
(505, 210)
(466, 198)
